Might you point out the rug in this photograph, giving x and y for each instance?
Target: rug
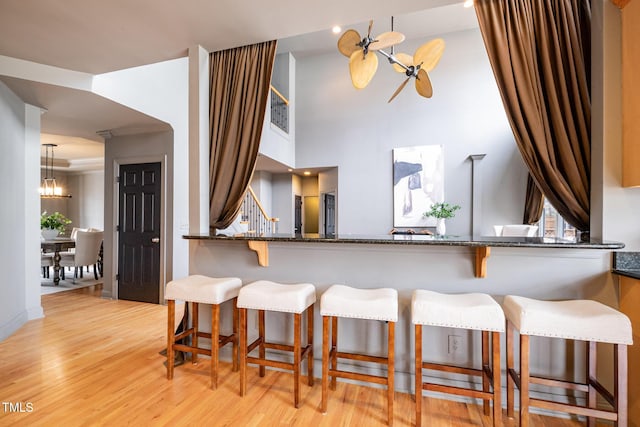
(47, 287)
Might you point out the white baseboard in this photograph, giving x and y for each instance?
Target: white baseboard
(7, 329)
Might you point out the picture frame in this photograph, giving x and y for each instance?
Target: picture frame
(418, 182)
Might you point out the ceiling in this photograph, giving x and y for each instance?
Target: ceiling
(97, 36)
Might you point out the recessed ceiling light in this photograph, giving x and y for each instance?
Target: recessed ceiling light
(468, 3)
(336, 29)
(289, 170)
(307, 173)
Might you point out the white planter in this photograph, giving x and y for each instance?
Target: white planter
(49, 233)
(441, 229)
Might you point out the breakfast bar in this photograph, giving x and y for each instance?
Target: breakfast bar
(534, 267)
(481, 245)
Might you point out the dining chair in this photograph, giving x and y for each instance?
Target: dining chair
(86, 253)
(515, 230)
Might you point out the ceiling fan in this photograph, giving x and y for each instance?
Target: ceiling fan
(362, 66)
(424, 60)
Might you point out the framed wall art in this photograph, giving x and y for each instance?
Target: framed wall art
(418, 182)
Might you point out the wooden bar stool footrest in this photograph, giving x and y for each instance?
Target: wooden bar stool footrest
(358, 376)
(574, 409)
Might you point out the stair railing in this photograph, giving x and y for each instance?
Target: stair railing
(255, 216)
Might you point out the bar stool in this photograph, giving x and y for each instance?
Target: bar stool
(473, 311)
(579, 320)
(199, 289)
(372, 304)
(269, 296)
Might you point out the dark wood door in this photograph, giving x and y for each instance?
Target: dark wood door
(139, 233)
(298, 215)
(329, 214)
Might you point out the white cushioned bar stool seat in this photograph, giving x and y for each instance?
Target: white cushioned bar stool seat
(474, 311)
(263, 296)
(198, 289)
(580, 320)
(370, 304)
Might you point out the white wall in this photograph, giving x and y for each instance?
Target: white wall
(86, 206)
(160, 90)
(356, 130)
(282, 201)
(275, 143)
(19, 164)
(261, 185)
(614, 209)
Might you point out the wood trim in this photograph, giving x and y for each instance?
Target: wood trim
(482, 253)
(621, 3)
(262, 210)
(279, 95)
(261, 248)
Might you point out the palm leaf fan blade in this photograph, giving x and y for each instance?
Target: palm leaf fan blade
(348, 42)
(362, 68)
(386, 40)
(402, 85)
(428, 55)
(423, 84)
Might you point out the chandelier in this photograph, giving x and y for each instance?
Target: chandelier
(49, 189)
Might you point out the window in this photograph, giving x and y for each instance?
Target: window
(551, 224)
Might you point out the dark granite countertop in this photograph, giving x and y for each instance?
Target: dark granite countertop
(627, 264)
(421, 239)
(634, 274)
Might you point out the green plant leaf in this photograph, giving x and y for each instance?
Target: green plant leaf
(442, 210)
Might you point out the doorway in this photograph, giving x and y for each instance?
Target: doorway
(311, 212)
(297, 225)
(139, 220)
(329, 202)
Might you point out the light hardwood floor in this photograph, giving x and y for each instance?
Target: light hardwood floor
(93, 361)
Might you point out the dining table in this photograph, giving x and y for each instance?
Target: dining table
(57, 245)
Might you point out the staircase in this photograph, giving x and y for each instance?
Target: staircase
(253, 215)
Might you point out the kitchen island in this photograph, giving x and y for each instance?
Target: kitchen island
(481, 245)
(527, 266)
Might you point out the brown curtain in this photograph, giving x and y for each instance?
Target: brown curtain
(240, 80)
(540, 53)
(533, 202)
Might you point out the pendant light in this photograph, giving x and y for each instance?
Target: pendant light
(49, 189)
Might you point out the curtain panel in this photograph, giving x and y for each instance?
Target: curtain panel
(540, 53)
(239, 89)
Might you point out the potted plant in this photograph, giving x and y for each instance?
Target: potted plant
(52, 225)
(441, 211)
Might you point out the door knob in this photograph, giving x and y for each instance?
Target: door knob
(155, 240)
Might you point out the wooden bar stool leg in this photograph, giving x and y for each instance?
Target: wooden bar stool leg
(215, 334)
(620, 379)
(297, 332)
(236, 336)
(418, 374)
(524, 380)
(325, 362)
(510, 366)
(194, 322)
(485, 364)
(171, 336)
(243, 350)
(334, 349)
(310, 345)
(391, 367)
(261, 337)
(591, 375)
(497, 386)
